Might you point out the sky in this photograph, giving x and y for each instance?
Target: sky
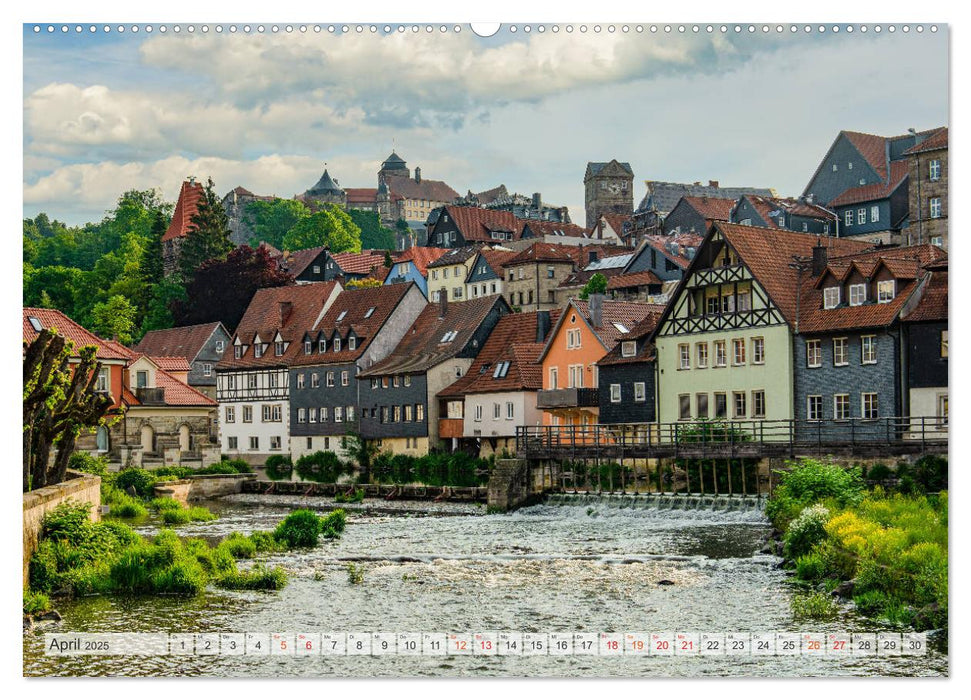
(108, 112)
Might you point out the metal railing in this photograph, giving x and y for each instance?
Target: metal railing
(730, 438)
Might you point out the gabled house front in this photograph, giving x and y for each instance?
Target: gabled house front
(412, 266)
(202, 346)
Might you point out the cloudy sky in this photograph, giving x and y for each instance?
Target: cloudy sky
(106, 113)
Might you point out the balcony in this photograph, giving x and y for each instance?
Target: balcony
(567, 398)
(150, 396)
(450, 427)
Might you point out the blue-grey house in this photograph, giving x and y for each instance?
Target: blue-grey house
(789, 214)
(412, 266)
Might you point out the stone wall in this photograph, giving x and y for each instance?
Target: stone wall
(213, 485)
(78, 487)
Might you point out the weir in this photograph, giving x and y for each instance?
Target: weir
(661, 501)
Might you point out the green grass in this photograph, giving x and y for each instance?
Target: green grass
(36, 603)
(814, 606)
(259, 578)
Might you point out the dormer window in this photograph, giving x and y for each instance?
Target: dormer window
(337, 344)
(341, 315)
(369, 312)
(352, 343)
(628, 348)
(322, 345)
(831, 297)
(35, 324)
(239, 350)
(258, 350)
(886, 291)
(857, 294)
(278, 348)
(308, 347)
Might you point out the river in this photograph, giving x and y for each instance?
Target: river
(451, 568)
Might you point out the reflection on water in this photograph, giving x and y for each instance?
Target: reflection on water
(561, 568)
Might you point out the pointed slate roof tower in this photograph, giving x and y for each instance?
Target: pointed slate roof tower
(325, 186)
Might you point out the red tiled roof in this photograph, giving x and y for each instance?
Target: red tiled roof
(616, 222)
(454, 256)
(77, 334)
(626, 313)
(684, 240)
(422, 347)
(185, 341)
(420, 257)
(178, 393)
(513, 340)
(938, 139)
(639, 332)
(632, 279)
(361, 195)
(298, 261)
(933, 301)
(268, 314)
(431, 190)
(711, 208)
(362, 263)
(543, 252)
(354, 304)
(185, 209)
(873, 148)
(495, 258)
(899, 170)
(476, 223)
(553, 228)
(171, 364)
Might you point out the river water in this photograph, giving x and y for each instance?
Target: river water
(451, 568)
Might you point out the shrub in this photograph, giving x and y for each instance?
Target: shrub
(259, 578)
(239, 546)
(164, 503)
(142, 480)
(35, 603)
(807, 530)
(68, 520)
(810, 481)
(177, 472)
(263, 541)
(201, 514)
(332, 526)
(129, 508)
(88, 463)
(814, 606)
(279, 467)
(175, 516)
(299, 529)
(811, 567)
(355, 574)
(879, 472)
(226, 466)
(355, 497)
(870, 603)
(320, 466)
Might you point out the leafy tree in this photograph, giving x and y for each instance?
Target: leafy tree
(31, 251)
(374, 236)
(223, 288)
(270, 221)
(388, 262)
(114, 318)
(59, 401)
(208, 234)
(331, 226)
(150, 265)
(60, 284)
(162, 299)
(595, 285)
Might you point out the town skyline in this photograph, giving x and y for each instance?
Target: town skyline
(271, 110)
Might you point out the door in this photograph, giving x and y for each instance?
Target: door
(148, 439)
(184, 441)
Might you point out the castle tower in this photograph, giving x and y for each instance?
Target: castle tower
(608, 189)
(393, 166)
(326, 191)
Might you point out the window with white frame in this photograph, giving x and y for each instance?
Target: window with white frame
(251, 381)
(814, 353)
(230, 414)
(857, 294)
(758, 403)
(322, 345)
(684, 353)
(496, 410)
(628, 348)
(572, 338)
(324, 413)
(330, 379)
(841, 406)
(254, 442)
(313, 415)
(738, 351)
(721, 358)
(701, 353)
(739, 404)
(238, 351)
(419, 411)
(314, 380)
(102, 383)
(576, 377)
(870, 407)
(758, 351)
(300, 380)
(934, 170)
(301, 415)
(477, 416)
(640, 391)
(352, 343)
(840, 355)
(247, 414)
(875, 213)
(935, 207)
(868, 349)
(942, 410)
(814, 407)
(886, 290)
(274, 380)
(848, 217)
(615, 393)
(701, 405)
(554, 372)
(349, 413)
(220, 346)
(510, 410)
(258, 350)
(831, 297)
(338, 414)
(744, 300)
(684, 407)
(861, 215)
(308, 347)
(278, 348)
(276, 442)
(337, 344)
(345, 378)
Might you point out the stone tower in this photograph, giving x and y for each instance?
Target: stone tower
(326, 191)
(393, 166)
(608, 189)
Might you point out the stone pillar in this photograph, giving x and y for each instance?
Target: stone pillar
(508, 485)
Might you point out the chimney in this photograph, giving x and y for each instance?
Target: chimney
(713, 183)
(442, 303)
(537, 201)
(542, 325)
(286, 308)
(417, 173)
(820, 257)
(595, 304)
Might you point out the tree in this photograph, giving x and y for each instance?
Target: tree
(388, 262)
(150, 265)
(595, 285)
(59, 401)
(163, 297)
(208, 234)
(222, 289)
(114, 319)
(331, 226)
(374, 236)
(270, 221)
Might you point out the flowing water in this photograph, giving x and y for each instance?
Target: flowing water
(567, 566)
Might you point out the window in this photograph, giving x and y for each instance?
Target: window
(721, 358)
(510, 410)
(220, 346)
(384, 382)
(230, 414)
(758, 404)
(550, 272)
(300, 380)
(322, 345)
(701, 350)
(934, 170)
(349, 413)
(861, 215)
(848, 217)
(419, 411)
(831, 297)
(814, 407)
(937, 240)
(875, 213)
(814, 353)
(684, 352)
(721, 405)
(258, 350)
(572, 338)
(870, 409)
(337, 344)
(313, 415)
(345, 378)
(738, 401)
(314, 380)
(407, 380)
(338, 414)
(840, 357)
(758, 351)
(943, 343)
(330, 379)
(141, 378)
(857, 294)
(458, 370)
(102, 384)
(941, 410)
(254, 442)
(841, 406)
(323, 414)
(278, 348)
(274, 380)
(478, 412)
(684, 407)
(316, 269)
(247, 414)
(352, 343)
(576, 376)
(744, 300)
(233, 443)
(275, 442)
(886, 290)
(396, 414)
(712, 306)
(738, 351)
(250, 381)
(935, 205)
(640, 392)
(408, 412)
(369, 312)
(615, 393)
(554, 372)
(868, 349)
(308, 347)
(238, 351)
(728, 303)
(301, 415)
(206, 369)
(231, 381)
(445, 273)
(701, 404)
(628, 348)
(341, 315)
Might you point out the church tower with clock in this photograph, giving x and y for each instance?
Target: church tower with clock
(609, 189)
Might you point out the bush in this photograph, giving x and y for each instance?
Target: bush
(321, 466)
(259, 578)
(164, 503)
(239, 546)
(175, 516)
(332, 526)
(142, 480)
(879, 472)
(35, 603)
(129, 508)
(177, 472)
(279, 467)
(88, 463)
(927, 475)
(811, 567)
(299, 529)
(227, 466)
(201, 514)
(814, 606)
(810, 481)
(807, 530)
(355, 497)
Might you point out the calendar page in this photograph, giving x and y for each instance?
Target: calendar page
(432, 349)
